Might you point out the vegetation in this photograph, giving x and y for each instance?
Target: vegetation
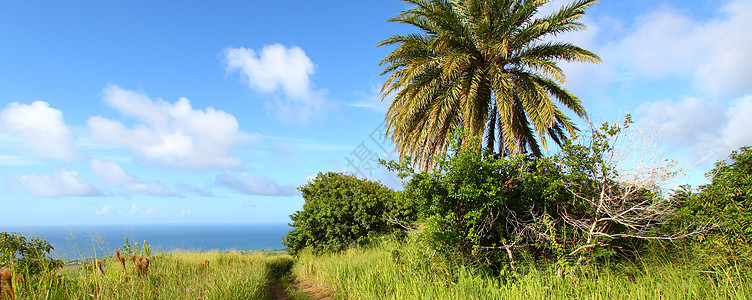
(20, 254)
(586, 223)
(487, 66)
(483, 214)
(408, 270)
(725, 204)
(211, 275)
(341, 210)
(480, 210)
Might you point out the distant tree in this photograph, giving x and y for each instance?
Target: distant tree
(489, 66)
(30, 256)
(341, 210)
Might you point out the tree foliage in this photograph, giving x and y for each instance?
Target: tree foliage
(341, 210)
(486, 65)
(474, 205)
(26, 255)
(726, 202)
(581, 203)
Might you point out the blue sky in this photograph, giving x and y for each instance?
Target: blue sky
(192, 112)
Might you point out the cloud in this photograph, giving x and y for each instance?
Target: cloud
(372, 100)
(41, 128)
(701, 126)
(276, 69)
(147, 189)
(150, 211)
(727, 68)
(61, 184)
(105, 210)
(254, 185)
(711, 53)
(171, 134)
(203, 192)
(134, 210)
(110, 171)
(113, 173)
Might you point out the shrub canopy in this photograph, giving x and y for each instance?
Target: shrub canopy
(341, 210)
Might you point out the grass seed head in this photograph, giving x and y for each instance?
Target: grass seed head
(99, 265)
(7, 280)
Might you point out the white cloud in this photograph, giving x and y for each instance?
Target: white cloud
(105, 210)
(372, 100)
(110, 171)
(172, 134)
(713, 53)
(147, 189)
(41, 128)
(278, 68)
(254, 185)
(275, 67)
(134, 210)
(700, 126)
(738, 131)
(113, 173)
(61, 184)
(200, 191)
(727, 68)
(150, 211)
(665, 43)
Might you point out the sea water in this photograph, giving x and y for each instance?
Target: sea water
(88, 241)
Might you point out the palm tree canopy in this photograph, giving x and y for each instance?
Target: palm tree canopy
(489, 66)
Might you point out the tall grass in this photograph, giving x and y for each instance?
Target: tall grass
(395, 270)
(228, 275)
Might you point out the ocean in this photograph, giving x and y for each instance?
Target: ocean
(87, 241)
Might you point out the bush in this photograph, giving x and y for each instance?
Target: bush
(725, 203)
(26, 256)
(341, 210)
(576, 205)
(476, 208)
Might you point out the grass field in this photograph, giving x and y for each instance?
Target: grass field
(399, 271)
(208, 275)
(389, 270)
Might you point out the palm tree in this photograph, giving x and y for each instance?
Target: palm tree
(488, 66)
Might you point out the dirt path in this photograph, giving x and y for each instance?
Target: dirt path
(278, 290)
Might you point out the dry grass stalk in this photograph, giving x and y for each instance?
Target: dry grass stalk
(142, 265)
(6, 280)
(145, 265)
(120, 258)
(99, 266)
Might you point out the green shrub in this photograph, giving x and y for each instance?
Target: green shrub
(341, 210)
(579, 204)
(725, 203)
(26, 255)
(474, 207)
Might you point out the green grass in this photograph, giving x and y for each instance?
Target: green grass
(389, 270)
(401, 271)
(230, 275)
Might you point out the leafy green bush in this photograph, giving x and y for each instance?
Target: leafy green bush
(341, 210)
(579, 204)
(725, 203)
(477, 209)
(26, 255)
